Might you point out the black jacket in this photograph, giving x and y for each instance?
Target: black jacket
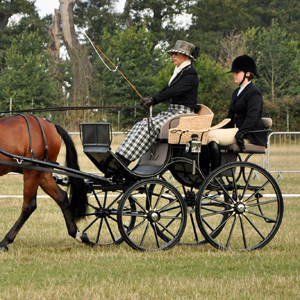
(183, 89)
(246, 112)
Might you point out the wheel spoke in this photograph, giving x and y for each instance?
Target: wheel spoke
(109, 229)
(243, 232)
(262, 216)
(194, 228)
(231, 231)
(144, 235)
(155, 235)
(256, 229)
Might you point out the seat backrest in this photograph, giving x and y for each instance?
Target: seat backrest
(95, 137)
(204, 111)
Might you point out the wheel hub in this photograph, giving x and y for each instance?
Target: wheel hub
(190, 198)
(240, 207)
(153, 216)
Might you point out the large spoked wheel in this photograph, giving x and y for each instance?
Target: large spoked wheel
(192, 234)
(240, 207)
(159, 212)
(100, 221)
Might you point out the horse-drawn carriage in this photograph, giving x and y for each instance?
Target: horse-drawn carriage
(170, 196)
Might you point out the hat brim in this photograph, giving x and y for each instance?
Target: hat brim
(233, 71)
(172, 51)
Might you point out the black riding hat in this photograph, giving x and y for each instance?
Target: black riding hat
(244, 63)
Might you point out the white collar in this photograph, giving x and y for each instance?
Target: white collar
(242, 88)
(178, 69)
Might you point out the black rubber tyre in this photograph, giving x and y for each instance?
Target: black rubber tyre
(159, 212)
(100, 222)
(240, 207)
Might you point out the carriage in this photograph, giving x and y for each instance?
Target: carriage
(171, 196)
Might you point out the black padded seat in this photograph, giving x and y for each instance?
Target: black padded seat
(153, 160)
(251, 148)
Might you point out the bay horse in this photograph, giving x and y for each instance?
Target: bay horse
(34, 137)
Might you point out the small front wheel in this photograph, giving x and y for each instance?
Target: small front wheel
(159, 213)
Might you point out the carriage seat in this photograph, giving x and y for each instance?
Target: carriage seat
(155, 158)
(157, 155)
(251, 148)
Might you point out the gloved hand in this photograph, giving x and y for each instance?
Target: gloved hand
(146, 102)
(241, 143)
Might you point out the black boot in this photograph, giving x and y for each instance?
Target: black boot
(215, 155)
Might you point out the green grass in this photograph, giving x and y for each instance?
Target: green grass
(45, 263)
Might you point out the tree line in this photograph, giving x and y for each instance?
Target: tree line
(49, 62)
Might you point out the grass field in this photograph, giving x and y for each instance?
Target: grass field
(45, 263)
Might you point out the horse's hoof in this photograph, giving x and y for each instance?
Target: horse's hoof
(82, 237)
(3, 249)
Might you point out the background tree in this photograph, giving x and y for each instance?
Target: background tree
(27, 77)
(139, 37)
(8, 8)
(158, 15)
(137, 61)
(277, 54)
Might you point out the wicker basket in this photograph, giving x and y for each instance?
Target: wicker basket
(199, 124)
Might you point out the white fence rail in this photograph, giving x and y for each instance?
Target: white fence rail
(283, 153)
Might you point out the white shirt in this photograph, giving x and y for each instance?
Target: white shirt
(178, 69)
(242, 88)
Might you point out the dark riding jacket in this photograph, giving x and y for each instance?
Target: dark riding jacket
(245, 113)
(183, 89)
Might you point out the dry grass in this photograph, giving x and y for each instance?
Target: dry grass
(44, 263)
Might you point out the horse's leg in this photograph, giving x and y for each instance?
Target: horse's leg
(29, 205)
(50, 187)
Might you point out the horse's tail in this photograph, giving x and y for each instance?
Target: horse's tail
(78, 197)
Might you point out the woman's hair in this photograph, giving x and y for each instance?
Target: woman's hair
(251, 76)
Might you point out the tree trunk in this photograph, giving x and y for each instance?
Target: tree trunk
(129, 21)
(54, 46)
(81, 65)
(68, 28)
(4, 20)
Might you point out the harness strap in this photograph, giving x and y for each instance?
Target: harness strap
(30, 139)
(29, 131)
(44, 136)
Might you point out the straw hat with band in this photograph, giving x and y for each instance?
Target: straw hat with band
(183, 47)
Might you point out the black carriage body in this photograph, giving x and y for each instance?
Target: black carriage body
(214, 200)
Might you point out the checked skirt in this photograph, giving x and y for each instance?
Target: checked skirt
(139, 140)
